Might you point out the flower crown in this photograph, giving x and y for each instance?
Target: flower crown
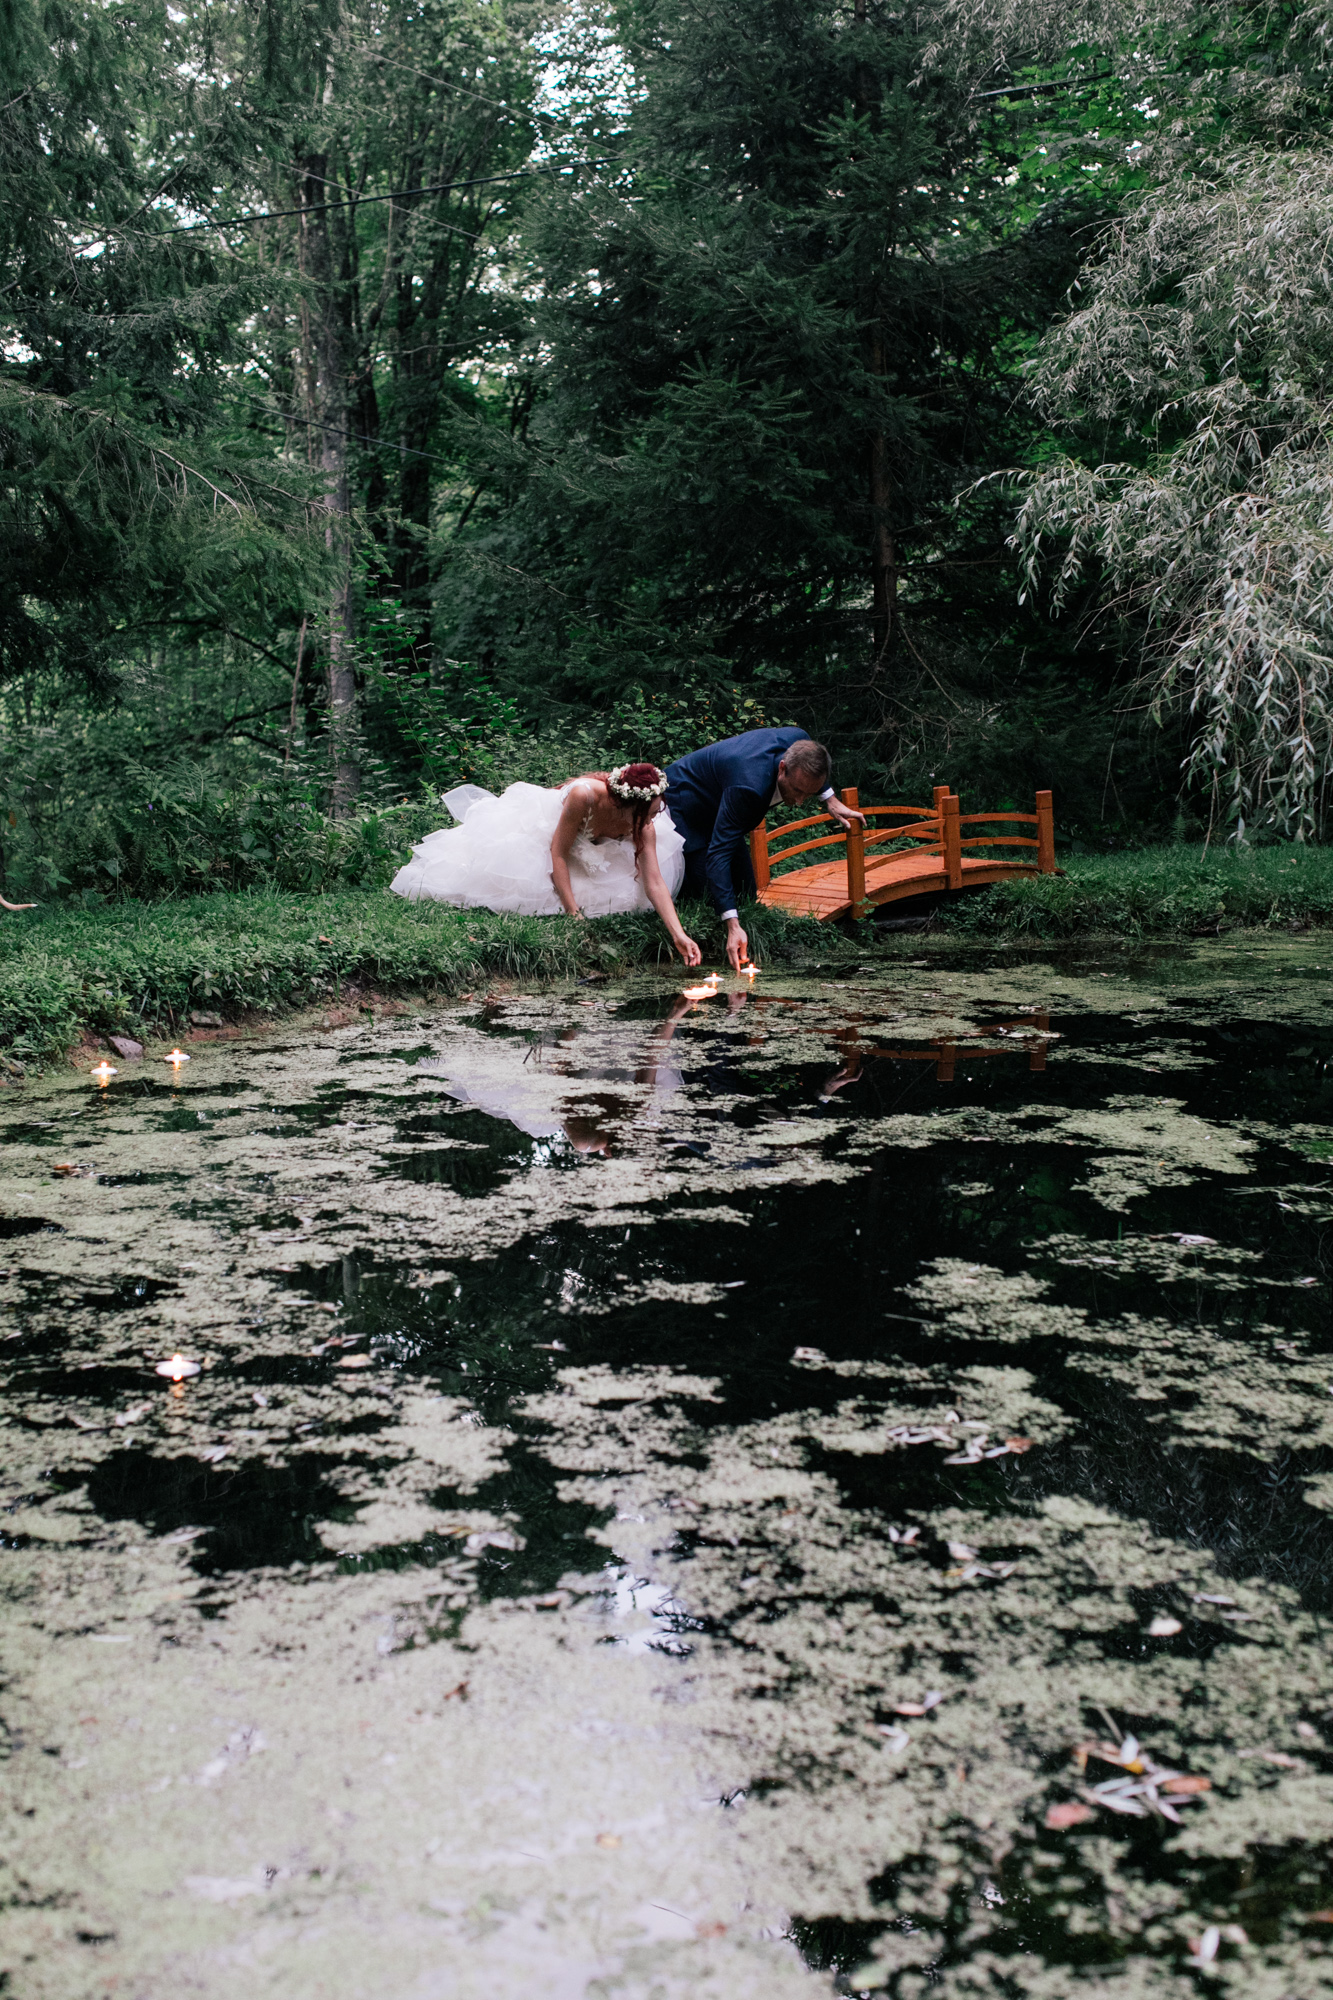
(616, 783)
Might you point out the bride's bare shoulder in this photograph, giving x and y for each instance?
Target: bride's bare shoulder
(589, 787)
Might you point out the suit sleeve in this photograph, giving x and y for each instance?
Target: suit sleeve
(737, 817)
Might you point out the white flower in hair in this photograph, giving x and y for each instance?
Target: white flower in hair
(616, 783)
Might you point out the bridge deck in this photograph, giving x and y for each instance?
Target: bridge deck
(860, 879)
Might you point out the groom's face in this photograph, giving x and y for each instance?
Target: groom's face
(794, 787)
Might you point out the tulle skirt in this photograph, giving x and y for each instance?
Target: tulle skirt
(499, 858)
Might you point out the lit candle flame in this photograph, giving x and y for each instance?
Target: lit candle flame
(176, 1058)
(177, 1368)
(750, 972)
(104, 1073)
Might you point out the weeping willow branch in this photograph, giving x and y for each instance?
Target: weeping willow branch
(1208, 340)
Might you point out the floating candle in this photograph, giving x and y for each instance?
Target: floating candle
(104, 1073)
(749, 972)
(176, 1058)
(177, 1369)
(698, 992)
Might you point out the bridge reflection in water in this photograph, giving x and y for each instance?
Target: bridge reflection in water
(1032, 1035)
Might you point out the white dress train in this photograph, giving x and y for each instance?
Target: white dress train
(499, 858)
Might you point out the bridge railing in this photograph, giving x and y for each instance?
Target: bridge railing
(925, 824)
(938, 827)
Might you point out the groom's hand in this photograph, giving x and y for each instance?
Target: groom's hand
(738, 945)
(835, 809)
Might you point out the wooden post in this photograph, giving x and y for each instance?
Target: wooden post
(1045, 833)
(939, 795)
(759, 854)
(1037, 1052)
(856, 856)
(944, 1061)
(952, 841)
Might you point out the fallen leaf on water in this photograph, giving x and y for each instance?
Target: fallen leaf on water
(1164, 1627)
(458, 1693)
(608, 1840)
(1203, 1950)
(68, 1171)
(895, 1740)
(1208, 1597)
(808, 1354)
(492, 1538)
(1319, 1916)
(323, 940)
(215, 1453)
(1072, 1814)
(132, 1416)
(962, 1551)
(354, 1361)
(1186, 1786)
(1280, 1758)
(710, 1930)
(1308, 1731)
(922, 1707)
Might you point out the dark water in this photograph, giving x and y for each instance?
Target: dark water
(584, 1414)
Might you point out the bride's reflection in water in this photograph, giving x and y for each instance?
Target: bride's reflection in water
(598, 1134)
(596, 1123)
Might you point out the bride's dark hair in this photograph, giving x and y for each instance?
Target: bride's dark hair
(638, 777)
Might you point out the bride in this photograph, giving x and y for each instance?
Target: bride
(602, 843)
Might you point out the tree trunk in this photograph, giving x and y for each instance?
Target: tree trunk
(325, 370)
(883, 554)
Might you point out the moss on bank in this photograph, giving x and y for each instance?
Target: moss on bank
(143, 968)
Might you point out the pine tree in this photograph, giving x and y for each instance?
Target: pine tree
(127, 503)
(784, 332)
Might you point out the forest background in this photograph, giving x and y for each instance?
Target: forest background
(493, 389)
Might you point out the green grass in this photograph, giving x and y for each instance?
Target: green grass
(1157, 892)
(141, 968)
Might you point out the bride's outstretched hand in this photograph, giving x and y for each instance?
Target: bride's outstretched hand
(688, 949)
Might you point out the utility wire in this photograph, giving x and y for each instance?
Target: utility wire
(395, 194)
(357, 437)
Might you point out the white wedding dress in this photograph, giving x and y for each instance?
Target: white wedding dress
(499, 858)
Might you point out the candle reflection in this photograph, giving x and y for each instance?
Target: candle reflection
(177, 1369)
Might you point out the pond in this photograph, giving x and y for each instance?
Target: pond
(823, 1488)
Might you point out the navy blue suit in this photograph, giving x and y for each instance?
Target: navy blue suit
(717, 796)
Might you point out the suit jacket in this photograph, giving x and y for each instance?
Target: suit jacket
(717, 796)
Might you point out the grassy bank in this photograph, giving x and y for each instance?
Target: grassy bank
(1159, 892)
(143, 969)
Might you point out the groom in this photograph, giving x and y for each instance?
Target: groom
(717, 796)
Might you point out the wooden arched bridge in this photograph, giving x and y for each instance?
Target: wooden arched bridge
(875, 869)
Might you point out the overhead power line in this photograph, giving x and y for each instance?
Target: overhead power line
(357, 437)
(394, 194)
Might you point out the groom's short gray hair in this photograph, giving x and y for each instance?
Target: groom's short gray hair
(811, 760)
